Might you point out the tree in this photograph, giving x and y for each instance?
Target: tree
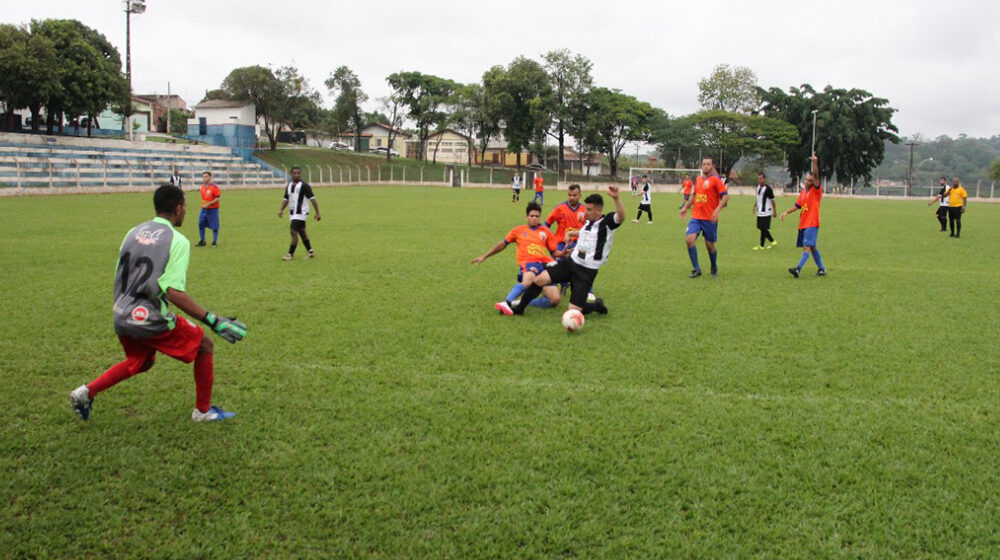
(217, 94)
(346, 85)
(733, 90)
(728, 137)
(852, 128)
(376, 117)
(523, 101)
(613, 119)
(282, 97)
(569, 78)
(423, 96)
(393, 107)
(995, 170)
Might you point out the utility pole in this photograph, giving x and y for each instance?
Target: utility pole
(909, 175)
(131, 7)
(168, 107)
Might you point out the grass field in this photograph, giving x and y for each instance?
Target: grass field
(386, 411)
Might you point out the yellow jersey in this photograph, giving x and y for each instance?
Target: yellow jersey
(956, 196)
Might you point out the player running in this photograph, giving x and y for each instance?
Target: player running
(534, 242)
(688, 185)
(710, 197)
(593, 246)
(644, 204)
(209, 217)
(296, 193)
(152, 273)
(539, 190)
(808, 202)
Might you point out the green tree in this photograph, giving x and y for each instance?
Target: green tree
(612, 120)
(217, 94)
(259, 85)
(852, 128)
(423, 96)
(346, 85)
(995, 170)
(569, 77)
(727, 137)
(733, 90)
(523, 100)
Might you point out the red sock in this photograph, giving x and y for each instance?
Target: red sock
(204, 375)
(116, 374)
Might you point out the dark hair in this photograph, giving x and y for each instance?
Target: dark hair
(167, 198)
(643, 176)
(709, 158)
(533, 206)
(209, 173)
(761, 173)
(294, 167)
(944, 178)
(595, 199)
(574, 187)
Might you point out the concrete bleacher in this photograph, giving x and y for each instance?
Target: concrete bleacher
(29, 161)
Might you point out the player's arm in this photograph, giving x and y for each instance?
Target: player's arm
(494, 250)
(722, 204)
(619, 207)
(815, 167)
(687, 206)
(791, 210)
(226, 327)
(315, 206)
(284, 204)
(933, 200)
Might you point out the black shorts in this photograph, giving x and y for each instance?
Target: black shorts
(580, 278)
(763, 222)
(644, 208)
(298, 225)
(955, 212)
(942, 211)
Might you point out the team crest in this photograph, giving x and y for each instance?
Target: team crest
(148, 236)
(140, 314)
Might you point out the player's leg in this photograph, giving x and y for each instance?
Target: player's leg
(942, 218)
(710, 231)
(202, 222)
(582, 283)
(958, 221)
(214, 220)
(806, 252)
(305, 242)
(293, 229)
(693, 231)
(649, 210)
(550, 297)
(951, 221)
(138, 358)
(551, 275)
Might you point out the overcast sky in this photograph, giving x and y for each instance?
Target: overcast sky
(938, 62)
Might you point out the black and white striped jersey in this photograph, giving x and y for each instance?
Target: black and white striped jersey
(595, 242)
(298, 196)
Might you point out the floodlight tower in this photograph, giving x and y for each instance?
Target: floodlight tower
(131, 7)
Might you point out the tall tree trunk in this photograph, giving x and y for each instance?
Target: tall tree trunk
(49, 121)
(36, 111)
(562, 144)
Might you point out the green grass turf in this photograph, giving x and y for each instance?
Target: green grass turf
(386, 411)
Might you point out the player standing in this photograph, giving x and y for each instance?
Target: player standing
(634, 184)
(209, 217)
(297, 192)
(175, 177)
(516, 186)
(534, 242)
(710, 197)
(539, 190)
(593, 246)
(764, 210)
(688, 185)
(942, 195)
(957, 200)
(152, 273)
(808, 202)
(569, 216)
(644, 204)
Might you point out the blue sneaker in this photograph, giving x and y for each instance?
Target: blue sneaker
(81, 402)
(214, 414)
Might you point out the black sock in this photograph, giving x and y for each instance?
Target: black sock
(767, 232)
(291, 249)
(529, 294)
(308, 245)
(762, 237)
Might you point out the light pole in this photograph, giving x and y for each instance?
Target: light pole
(909, 175)
(131, 7)
(814, 133)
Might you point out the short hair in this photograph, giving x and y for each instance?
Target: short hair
(294, 167)
(574, 187)
(595, 199)
(943, 178)
(533, 206)
(167, 198)
(709, 158)
(643, 175)
(761, 173)
(209, 173)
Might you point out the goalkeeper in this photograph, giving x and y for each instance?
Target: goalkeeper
(152, 272)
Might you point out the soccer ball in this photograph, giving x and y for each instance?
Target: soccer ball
(572, 319)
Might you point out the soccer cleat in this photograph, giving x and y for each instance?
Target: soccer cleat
(215, 245)
(794, 272)
(504, 308)
(649, 223)
(636, 221)
(773, 244)
(757, 247)
(81, 402)
(288, 257)
(695, 273)
(311, 255)
(715, 272)
(821, 272)
(214, 414)
(200, 244)
(599, 306)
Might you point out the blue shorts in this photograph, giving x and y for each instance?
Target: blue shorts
(707, 227)
(807, 237)
(209, 218)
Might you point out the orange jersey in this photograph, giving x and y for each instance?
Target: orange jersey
(209, 192)
(533, 245)
(538, 184)
(569, 219)
(687, 186)
(707, 193)
(808, 201)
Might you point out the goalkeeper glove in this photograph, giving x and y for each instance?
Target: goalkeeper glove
(226, 327)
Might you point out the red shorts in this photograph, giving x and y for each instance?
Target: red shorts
(181, 343)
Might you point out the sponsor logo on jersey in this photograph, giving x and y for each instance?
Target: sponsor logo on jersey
(140, 314)
(148, 236)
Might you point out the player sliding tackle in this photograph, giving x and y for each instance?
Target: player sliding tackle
(534, 242)
(580, 269)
